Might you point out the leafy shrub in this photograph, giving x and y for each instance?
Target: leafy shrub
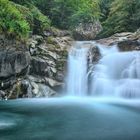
(12, 21)
(26, 14)
(66, 14)
(41, 22)
(87, 12)
(123, 16)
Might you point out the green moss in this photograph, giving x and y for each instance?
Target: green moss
(12, 21)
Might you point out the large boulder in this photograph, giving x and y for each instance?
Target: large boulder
(129, 45)
(87, 31)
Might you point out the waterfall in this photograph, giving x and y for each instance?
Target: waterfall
(77, 69)
(117, 74)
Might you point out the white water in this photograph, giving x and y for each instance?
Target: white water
(116, 74)
(77, 70)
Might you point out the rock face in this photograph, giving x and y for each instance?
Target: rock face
(126, 41)
(49, 58)
(87, 31)
(14, 63)
(48, 62)
(34, 69)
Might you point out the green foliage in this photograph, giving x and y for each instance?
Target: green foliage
(65, 14)
(105, 9)
(19, 18)
(26, 14)
(41, 22)
(87, 12)
(123, 16)
(12, 22)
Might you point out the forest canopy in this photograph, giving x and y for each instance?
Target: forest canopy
(20, 18)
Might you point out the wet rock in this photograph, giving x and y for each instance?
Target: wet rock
(126, 41)
(55, 85)
(129, 45)
(2, 95)
(94, 54)
(26, 89)
(116, 38)
(41, 90)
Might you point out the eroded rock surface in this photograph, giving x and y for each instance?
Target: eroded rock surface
(35, 69)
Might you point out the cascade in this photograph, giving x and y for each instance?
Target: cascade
(116, 74)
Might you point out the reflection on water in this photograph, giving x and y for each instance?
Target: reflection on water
(69, 119)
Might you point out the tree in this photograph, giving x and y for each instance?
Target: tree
(123, 16)
(67, 14)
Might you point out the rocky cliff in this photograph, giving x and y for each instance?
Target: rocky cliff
(35, 68)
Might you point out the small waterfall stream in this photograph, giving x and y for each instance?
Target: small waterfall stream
(77, 70)
(116, 74)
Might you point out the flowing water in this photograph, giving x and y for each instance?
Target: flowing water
(72, 118)
(117, 74)
(77, 70)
